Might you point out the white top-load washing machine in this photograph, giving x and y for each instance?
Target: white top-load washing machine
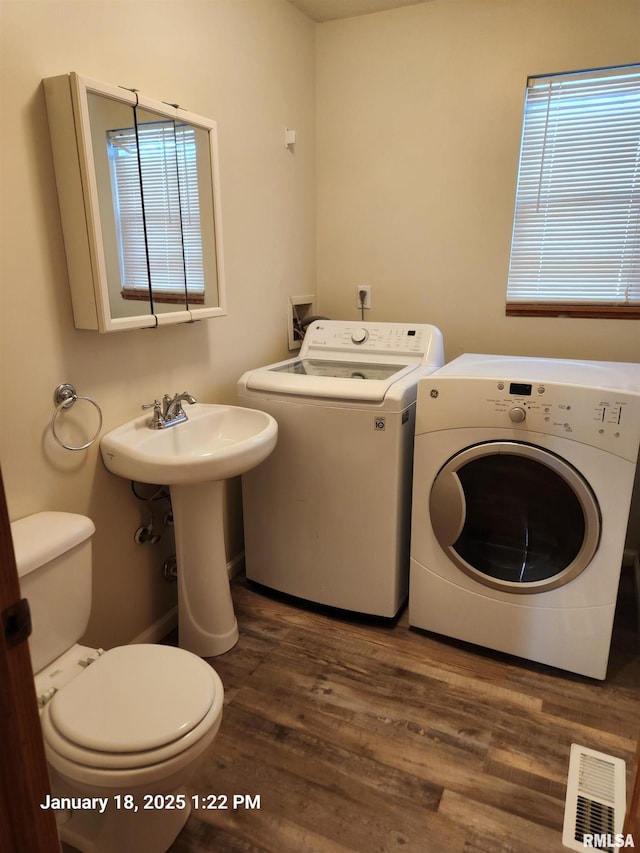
(523, 475)
(327, 516)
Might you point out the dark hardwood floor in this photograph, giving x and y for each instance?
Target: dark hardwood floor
(358, 736)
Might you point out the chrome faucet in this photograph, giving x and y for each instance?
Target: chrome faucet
(170, 411)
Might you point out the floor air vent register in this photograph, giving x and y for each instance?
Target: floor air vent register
(595, 802)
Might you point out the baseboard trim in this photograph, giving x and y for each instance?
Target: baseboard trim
(235, 565)
(159, 630)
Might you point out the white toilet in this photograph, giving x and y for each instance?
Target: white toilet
(122, 728)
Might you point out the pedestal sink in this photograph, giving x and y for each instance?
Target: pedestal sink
(193, 458)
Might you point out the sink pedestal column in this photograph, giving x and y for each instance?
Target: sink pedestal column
(206, 622)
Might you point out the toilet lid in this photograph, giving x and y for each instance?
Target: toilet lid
(134, 698)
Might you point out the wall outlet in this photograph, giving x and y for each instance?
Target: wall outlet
(366, 302)
(299, 308)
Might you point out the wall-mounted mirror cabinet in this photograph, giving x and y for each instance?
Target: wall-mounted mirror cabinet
(139, 190)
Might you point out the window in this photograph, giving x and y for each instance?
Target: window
(576, 235)
(163, 248)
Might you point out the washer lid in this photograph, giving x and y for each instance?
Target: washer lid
(134, 698)
(342, 380)
(352, 361)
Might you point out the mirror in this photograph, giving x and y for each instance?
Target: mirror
(140, 178)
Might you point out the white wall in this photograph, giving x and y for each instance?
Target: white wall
(250, 65)
(419, 115)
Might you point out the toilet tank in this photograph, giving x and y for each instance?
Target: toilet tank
(53, 555)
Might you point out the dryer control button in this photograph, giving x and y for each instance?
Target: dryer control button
(359, 336)
(517, 414)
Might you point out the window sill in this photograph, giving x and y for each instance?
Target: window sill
(162, 297)
(614, 312)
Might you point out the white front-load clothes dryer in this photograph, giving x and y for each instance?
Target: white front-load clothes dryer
(327, 516)
(523, 476)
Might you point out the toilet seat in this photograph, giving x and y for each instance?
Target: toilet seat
(135, 706)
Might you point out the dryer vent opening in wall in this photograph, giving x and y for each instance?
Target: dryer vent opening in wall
(595, 801)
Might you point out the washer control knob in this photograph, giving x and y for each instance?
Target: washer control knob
(359, 336)
(517, 414)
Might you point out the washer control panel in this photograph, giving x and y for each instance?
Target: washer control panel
(334, 336)
(606, 418)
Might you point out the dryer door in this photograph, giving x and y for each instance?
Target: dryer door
(515, 516)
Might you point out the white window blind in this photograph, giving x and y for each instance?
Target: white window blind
(576, 234)
(163, 248)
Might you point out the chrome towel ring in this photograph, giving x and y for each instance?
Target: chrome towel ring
(64, 397)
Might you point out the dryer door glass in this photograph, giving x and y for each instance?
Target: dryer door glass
(515, 516)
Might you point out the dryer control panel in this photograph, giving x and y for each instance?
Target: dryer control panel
(604, 418)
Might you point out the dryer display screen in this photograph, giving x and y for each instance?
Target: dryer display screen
(520, 389)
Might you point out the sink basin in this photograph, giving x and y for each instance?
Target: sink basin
(194, 458)
(217, 442)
